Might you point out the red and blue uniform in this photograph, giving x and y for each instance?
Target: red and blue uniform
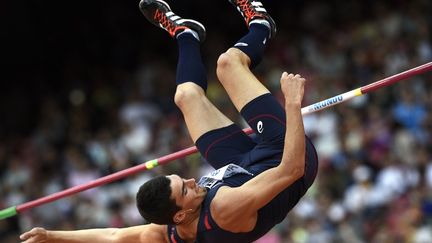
(230, 145)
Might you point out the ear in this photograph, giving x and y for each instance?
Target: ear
(180, 215)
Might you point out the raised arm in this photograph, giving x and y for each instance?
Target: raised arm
(139, 234)
(259, 191)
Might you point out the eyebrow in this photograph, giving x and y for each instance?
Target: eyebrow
(183, 188)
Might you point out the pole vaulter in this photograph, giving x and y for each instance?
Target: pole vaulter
(14, 210)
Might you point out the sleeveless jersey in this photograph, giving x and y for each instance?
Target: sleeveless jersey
(233, 175)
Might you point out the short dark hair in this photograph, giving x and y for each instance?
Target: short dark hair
(154, 201)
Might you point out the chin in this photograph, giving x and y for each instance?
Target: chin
(202, 192)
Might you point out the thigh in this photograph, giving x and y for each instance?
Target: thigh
(224, 145)
(240, 83)
(267, 118)
(200, 115)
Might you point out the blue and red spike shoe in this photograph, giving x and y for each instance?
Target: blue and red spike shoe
(159, 13)
(253, 9)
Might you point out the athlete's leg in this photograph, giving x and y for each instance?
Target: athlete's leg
(234, 65)
(259, 108)
(217, 138)
(199, 113)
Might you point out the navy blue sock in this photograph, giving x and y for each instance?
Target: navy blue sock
(254, 43)
(190, 67)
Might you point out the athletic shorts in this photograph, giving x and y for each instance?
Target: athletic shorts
(230, 144)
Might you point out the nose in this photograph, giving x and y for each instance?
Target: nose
(190, 182)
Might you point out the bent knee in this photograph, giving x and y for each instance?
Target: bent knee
(227, 60)
(187, 93)
(231, 59)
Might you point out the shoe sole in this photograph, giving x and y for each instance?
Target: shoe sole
(194, 22)
(189, 23)
(142, 2)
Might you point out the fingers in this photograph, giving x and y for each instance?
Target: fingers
(297, 76)
(27, 236)
(285, 75)
(292, 86)
(291, 77)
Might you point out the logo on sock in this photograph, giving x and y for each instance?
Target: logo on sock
(241, 44)
(260, 127)
(264, 41)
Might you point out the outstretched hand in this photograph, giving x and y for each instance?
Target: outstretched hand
(36, 235)
(292, 87)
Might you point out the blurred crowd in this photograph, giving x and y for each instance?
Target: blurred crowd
(375, 177)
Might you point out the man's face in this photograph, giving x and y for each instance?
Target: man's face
(186, 193)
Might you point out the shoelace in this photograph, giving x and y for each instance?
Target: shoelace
(247, 9)
(160, 17)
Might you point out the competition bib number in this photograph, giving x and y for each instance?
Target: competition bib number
(211, 179)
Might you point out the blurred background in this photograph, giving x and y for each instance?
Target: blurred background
(87, 90)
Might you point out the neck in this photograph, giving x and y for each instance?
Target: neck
(187, 230)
